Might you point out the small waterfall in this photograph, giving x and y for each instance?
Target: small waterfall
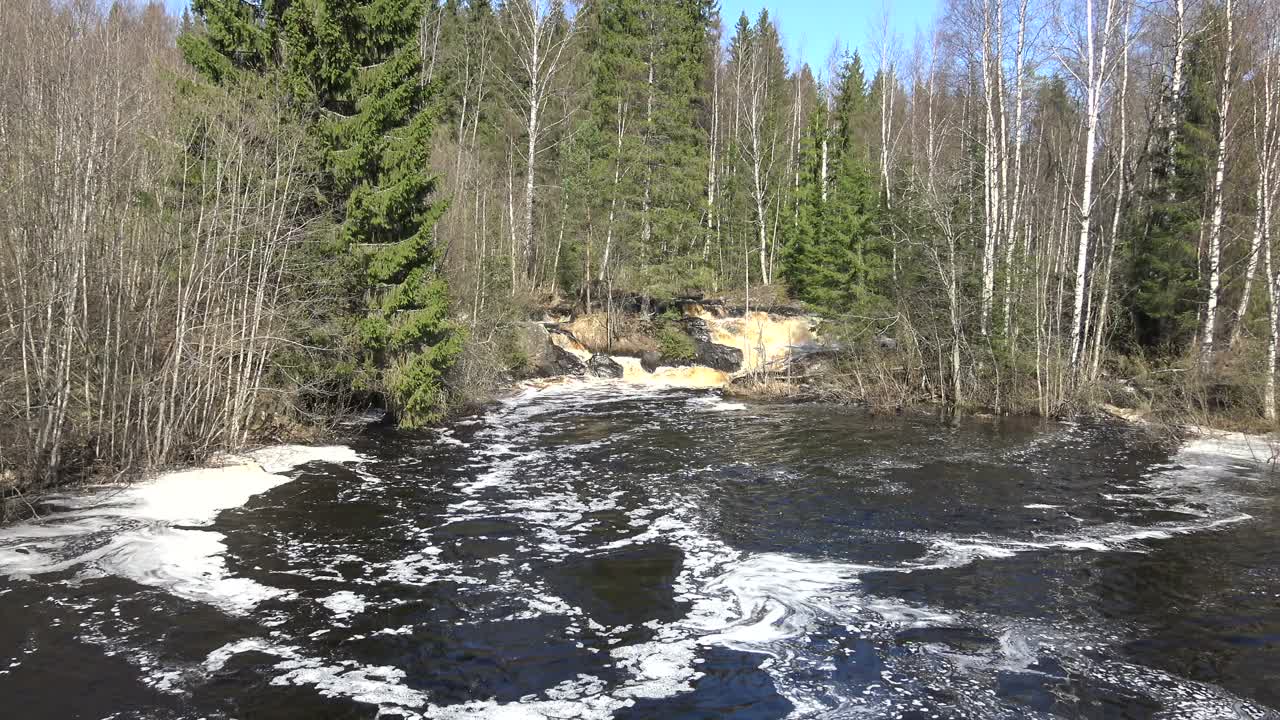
(765, 339)
(567, 343)
(689, 376)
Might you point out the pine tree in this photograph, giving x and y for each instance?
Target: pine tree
(358, 64)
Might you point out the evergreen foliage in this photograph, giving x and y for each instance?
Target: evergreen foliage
(359, 65)
(834, 258)
(1163, 261)
(352, 72)
(674, 144)
(642, 138)
(222, 38)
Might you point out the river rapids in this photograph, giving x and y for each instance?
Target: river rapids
(603, 550)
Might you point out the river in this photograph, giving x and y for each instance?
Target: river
(600, 550)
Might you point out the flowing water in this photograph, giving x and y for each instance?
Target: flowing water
(608, 551)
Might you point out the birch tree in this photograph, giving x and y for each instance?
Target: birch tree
(1093, 51)
(1268, 180)
(538, 36)
(1214, 250)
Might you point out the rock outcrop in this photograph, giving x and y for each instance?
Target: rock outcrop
(565, 363)
(765, 340)
(544, 356)
(726, 341)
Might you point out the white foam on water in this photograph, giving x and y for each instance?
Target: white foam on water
(283, 458)
(382, 686)
(716, 404)
(583, 698)
(219, 658)
(659, 669)
(1194, 475)
(776, 605)
(446, 437)
(951, 552)
(771, 604)
(759, 603)
(149, 532)
(344, 603)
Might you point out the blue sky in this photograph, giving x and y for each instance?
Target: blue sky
(811, 27)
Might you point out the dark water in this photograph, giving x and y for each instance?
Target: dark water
(618, 553)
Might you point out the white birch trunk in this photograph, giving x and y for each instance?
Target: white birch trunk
(712, 157)
(1175, 89)
(1095, 83)
(1215, 226)
(1010, 229)
(1100, 324)
(826, 133)
(991, 188)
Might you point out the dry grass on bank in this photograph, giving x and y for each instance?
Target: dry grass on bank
(1230, 395)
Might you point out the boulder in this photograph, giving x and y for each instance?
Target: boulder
(604, 366)
(565, 362)
(719, 357)
(650, 360)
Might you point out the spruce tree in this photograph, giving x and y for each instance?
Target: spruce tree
(224, 38)
(1163, 260)
(852, 107)
(608, 139)
(801, 251)
(358, 65)
(834, 258)
(676, 142)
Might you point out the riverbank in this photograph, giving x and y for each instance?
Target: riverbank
(775, 352)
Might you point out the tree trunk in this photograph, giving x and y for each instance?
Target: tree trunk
(1215, 226)
(1100, 324)
(1096, 81)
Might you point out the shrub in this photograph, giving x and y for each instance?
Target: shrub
(675, 345)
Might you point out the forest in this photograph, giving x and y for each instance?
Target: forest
(224, 227)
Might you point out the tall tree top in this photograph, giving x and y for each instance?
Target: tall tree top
(234, 35)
